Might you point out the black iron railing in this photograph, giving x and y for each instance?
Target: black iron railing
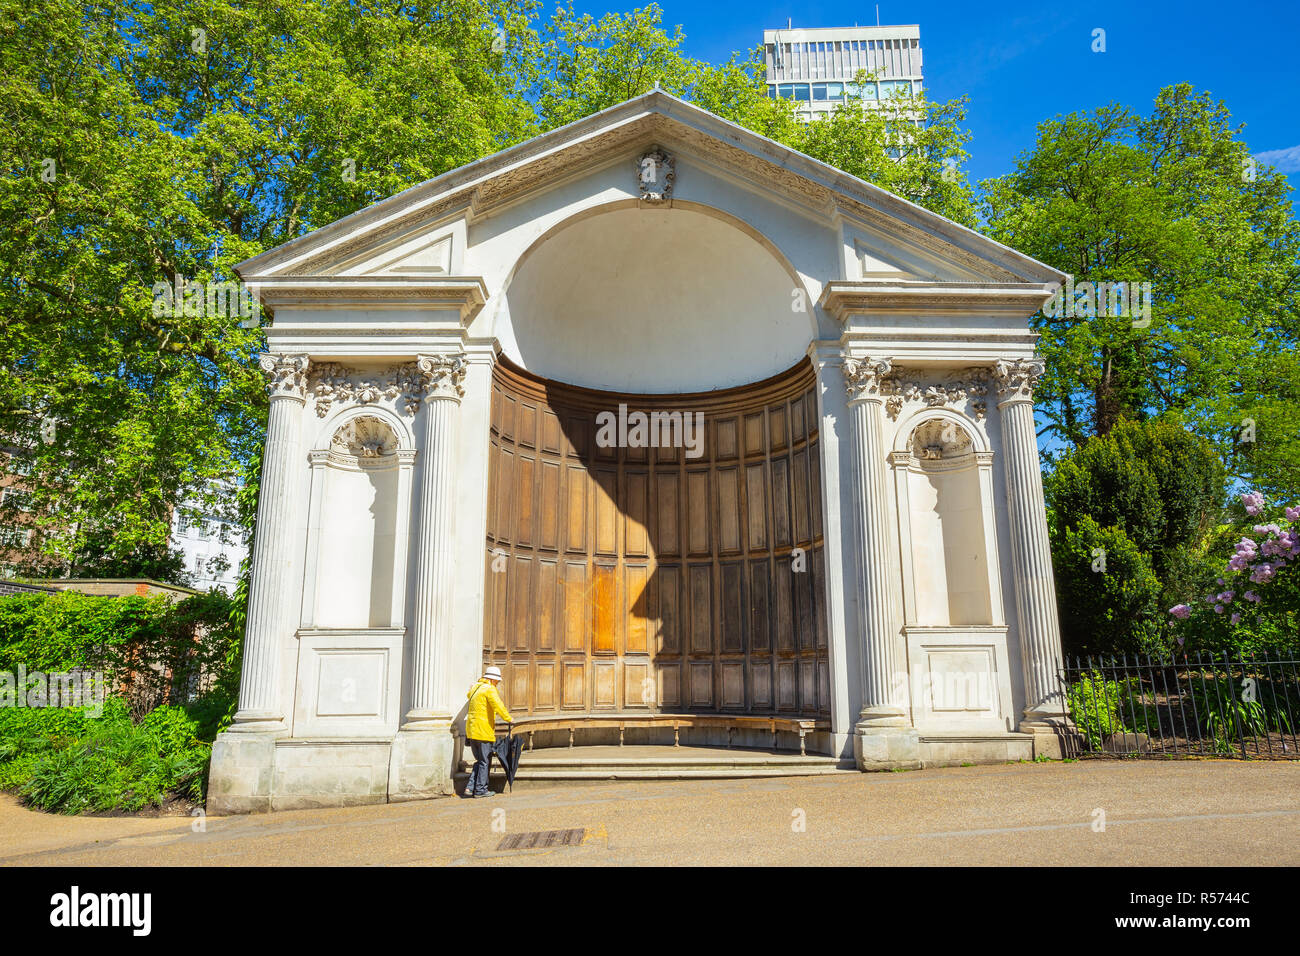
(1190, 705)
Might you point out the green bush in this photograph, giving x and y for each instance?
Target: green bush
(66, 630)
(111, 764)
(177, 668)
(1115, 610)
(1101, 707)
(1147, 492)
(1224, 714)
(1161, 484)
(157, 650)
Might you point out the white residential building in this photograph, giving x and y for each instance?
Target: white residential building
(213, 543)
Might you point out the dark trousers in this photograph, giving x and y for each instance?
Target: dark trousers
(478, 777)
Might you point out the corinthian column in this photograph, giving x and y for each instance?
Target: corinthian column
(444, 377)
(883, 738)
(1046, 713)
(880, 705)
(272, 601)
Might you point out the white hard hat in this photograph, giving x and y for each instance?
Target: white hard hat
(493, 671)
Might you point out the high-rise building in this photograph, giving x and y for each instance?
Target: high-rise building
(817, 67)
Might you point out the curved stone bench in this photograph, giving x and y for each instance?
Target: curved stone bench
(731, 723)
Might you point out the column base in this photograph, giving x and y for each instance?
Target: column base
(886, 748)
(422, 761)
(1054, 737)
(241, 772)
(258, 722)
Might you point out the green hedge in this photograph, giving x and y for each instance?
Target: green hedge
(151, 740)
(57, 632)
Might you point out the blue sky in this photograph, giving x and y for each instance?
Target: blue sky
(1025, 62)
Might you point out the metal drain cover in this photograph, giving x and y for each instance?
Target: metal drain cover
(541, 839)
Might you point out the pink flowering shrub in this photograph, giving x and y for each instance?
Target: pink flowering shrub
(1255, 601)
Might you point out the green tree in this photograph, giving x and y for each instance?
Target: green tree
(165, 142)
(907, 145)
(1145, 490)
(162, 143)
(1108, 595)
(1173, 199)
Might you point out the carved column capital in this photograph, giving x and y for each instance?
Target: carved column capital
(443, 375)
(863, 378)
(1017, 378)
(286, 374)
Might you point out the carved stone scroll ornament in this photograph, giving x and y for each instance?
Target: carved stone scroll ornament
(655, 173)
(960, 387)
(286, 375)
(443, 376)
(336, 384)
(863, 378)
(1017, 379)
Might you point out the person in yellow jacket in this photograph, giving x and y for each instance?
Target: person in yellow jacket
(480, 728)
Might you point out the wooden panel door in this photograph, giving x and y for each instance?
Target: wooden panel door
(638, 577)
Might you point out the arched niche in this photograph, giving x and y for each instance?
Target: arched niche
(628, 297)
(357, 526)
(943, 476)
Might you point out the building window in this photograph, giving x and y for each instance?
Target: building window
(12, 537)
(828, 92)
(15, 498)
(19, 465)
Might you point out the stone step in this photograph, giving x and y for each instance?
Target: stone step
(596, 764)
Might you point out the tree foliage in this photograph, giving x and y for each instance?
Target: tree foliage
(1128, 515)
(165, 142)
(1173, 199)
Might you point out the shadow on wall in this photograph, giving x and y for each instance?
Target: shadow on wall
(624, 577)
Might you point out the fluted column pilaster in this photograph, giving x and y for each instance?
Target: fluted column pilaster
(270, 609)
(444, 377)
(1039, 626)
(880, 706)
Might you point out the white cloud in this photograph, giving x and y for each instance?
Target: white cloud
(1283, 160)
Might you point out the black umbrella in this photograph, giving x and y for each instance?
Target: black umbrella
(507, 750)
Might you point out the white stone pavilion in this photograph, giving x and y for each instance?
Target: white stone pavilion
(852, 557)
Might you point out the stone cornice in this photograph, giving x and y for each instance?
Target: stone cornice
(466, 294)
(844, 298)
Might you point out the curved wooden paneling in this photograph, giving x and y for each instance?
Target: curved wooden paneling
(644, 579)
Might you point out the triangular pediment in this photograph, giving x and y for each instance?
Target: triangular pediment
(415, 233)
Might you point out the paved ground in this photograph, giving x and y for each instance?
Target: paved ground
(1177, 813)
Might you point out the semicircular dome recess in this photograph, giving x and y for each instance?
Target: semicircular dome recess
(653, 301)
